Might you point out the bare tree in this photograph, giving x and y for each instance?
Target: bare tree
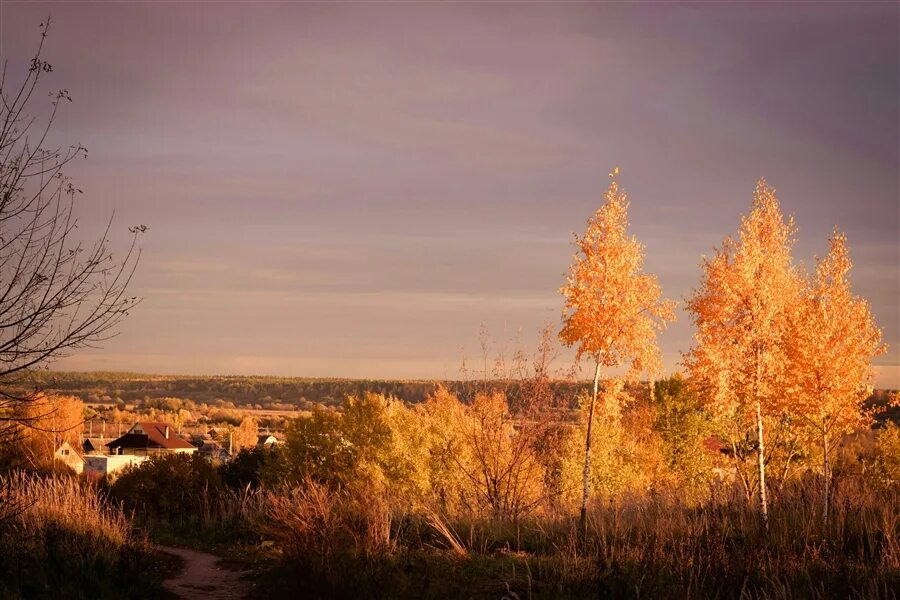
(57, 293)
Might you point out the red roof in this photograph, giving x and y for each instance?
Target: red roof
(715, 445)
(155, 434)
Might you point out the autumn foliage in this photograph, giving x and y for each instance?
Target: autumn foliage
(43, 424)
(613, 310)
(758, 471)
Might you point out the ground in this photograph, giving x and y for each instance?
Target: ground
(203, 577)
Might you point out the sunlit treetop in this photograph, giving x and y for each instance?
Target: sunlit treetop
(834, 338)
(613, 310)
(741, 310)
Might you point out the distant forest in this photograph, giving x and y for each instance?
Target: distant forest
(267, 392)
(300, 393)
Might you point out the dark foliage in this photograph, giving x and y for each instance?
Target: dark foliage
(174, 487)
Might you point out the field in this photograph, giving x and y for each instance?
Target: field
(453, 498)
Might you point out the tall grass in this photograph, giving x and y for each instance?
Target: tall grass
(636, 547)
(59, 537)
(39, 505)
(652, 546)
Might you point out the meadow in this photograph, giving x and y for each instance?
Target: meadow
(454, 499)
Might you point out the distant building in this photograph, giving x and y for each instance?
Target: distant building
(69, 456)
(266, 441)
(95, 445)
(198, 439)
(107, 465)
(146, 438)
(214, 451)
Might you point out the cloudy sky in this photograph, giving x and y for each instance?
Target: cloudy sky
(352, 190)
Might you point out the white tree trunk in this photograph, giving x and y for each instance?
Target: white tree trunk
(587, 450)
(826, 473)
(761, 453)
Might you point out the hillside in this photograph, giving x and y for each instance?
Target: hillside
(301, 393)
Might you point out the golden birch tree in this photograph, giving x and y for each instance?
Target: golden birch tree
(833, 341)
(245, 435)
(613, 310)
(46, 422)
(740, 312)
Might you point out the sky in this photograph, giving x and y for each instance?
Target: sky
(352, 190)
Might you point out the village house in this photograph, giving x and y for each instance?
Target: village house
(109, 465)
(146, 438)
(97, 466)
(214, 451)
(266, 440)
(70, 457)
(94, 445)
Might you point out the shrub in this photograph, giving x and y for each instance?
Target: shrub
(171, 487)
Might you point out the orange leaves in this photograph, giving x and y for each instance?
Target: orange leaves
(833, 341)
(47, 421)
(613, 310)
(796, 346)
(741, 312)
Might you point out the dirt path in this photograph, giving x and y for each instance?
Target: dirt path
(202, 579)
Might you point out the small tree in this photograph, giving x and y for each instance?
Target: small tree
(56, 293)
(739, 360)
(833, 339)
(244, 435)
(684, 428)
(48, 421)
(613, 309)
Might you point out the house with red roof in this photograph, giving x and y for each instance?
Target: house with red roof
(146, 438)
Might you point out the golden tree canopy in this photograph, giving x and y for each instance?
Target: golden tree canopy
(245, 435)
(833, 341)
(613, 309)
(49, 420)
(740, 311)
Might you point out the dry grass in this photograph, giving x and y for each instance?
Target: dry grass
(721, 548)
(636, 547)
(453, 541)
(61, 538)
(36, 506)
(230, 510)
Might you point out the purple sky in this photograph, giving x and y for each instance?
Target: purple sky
(351, 190)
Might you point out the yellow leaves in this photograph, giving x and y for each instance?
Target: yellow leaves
(479, 458)
(245, 435)
(612, 309)
(49, 420)
(626, 454)
(741, 311)
(832, 343)
(887, 457)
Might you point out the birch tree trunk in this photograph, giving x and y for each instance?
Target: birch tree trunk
(587, 451)
(826, 472)
(761, 448)
(763, 501)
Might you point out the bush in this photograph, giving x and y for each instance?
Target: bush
(246, 468)
(170, 487)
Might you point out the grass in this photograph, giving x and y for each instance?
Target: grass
(641, 547)
(60, 537)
